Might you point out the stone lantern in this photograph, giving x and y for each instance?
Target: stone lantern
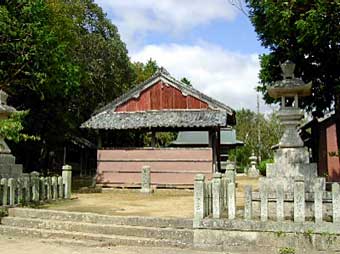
(5, 111)
(291, 158)
(290, 89)
(8, 168)
(253, 171)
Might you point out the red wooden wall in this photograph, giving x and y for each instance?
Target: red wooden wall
(332, 161)
(170, 167)
(161, 96)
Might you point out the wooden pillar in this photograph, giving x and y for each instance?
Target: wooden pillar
(153, 139)
(212, 144)
(218, 149)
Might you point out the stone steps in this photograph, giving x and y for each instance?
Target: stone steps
(80, 238)
(183, 235)
(178, 223)
(97, 230)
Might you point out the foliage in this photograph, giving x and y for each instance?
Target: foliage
(60, 60)
(247, 126)
(262, 166)
(143, 71)
(12, 128)
(286, 250)
(186, 81)
(306, 32)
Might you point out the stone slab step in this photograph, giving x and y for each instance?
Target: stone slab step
(101, 239)
(181, 235)
(101, 219)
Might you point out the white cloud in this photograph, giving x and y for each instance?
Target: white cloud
(135, 18)
(227, 76)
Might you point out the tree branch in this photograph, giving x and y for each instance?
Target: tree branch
(238, 5)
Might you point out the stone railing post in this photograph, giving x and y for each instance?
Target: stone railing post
(67, 180)
(264, 200)
(318, 195)
(35, 185)
(20, 188)
(48, 188)
(146, 180)
(60, 187)
(27, 187)
(199, 196)
(248, 208)
(217, 195)
(230, 176)
(4, 184)
(280, 202)
(42, 186)
(11, 185)
(54, 188)
(336, 202)
(231, 192)
(299, 200)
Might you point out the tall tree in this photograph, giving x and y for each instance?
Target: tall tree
(60, 59)
(247, 126)
(308, 33)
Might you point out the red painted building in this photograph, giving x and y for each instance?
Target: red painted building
(320, 136)
(161, 103)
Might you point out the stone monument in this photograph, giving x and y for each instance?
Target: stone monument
(253, 171)
(291, 158)
(8, 168)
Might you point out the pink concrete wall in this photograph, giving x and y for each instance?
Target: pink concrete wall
(169, 166)
(333, 162)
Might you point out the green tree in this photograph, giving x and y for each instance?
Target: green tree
(306, 32)
(143, 71)
(60, 60)
(248, 123)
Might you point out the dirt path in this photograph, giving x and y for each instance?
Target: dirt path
(167, 203)
(35, 246)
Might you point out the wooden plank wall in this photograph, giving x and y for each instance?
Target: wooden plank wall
(161, 96)
(170, 167)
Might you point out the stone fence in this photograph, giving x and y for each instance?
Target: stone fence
(31, 188)
(216, 199)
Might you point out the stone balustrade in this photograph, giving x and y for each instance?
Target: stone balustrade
(216, 199)
(31, 188)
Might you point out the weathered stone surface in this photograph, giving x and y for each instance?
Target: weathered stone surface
(146, 180)
(67, 180)
(4, 190)
(280, 203)
(231, 201)
(248, 207)
(264, 199)
(299, 201)
(217, 195)
(199, 198)
(336, 202)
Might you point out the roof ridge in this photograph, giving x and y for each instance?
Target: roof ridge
(163, 73)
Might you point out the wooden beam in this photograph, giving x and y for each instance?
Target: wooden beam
(218, 149)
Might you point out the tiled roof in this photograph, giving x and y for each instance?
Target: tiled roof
(157, 119)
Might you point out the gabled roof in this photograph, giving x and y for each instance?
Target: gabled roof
(216, 114)
(163, 75)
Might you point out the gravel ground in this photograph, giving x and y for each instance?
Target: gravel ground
(36, 246)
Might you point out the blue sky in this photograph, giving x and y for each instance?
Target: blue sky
(210, 42)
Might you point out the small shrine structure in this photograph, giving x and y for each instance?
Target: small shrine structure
(159, 104)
